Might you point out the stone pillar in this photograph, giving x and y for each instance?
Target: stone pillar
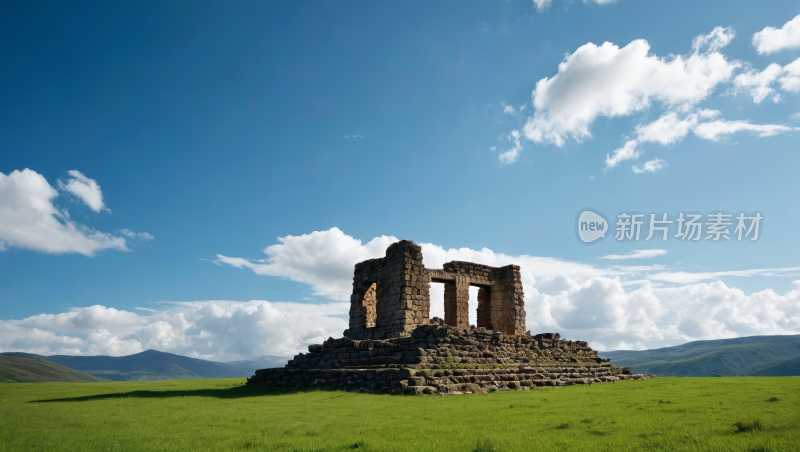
(462, 301)
(508, 306)
(484, 308)
(450, 304)
(456, 302)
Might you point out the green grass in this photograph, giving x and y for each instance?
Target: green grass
(714, 414)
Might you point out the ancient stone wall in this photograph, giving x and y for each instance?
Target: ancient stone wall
(501, 305)
(440, 359)
(391, 295)
(393, 346)
(396, 288)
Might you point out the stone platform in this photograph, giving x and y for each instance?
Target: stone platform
(442, 359)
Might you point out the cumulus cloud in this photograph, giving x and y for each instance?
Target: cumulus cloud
(579, 300)
(601, 310)
(322, 259)
(325, 260)
(609, 81)
(760, 84)
(86, 189)
(771, 39)
(28, 218)
(636, 254)
(508, 109)
(510, 156)
(217, 330)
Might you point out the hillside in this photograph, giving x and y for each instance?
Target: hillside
(786, 368)
(148, 366)
(262, 362)
(28, 368)
(753, 355)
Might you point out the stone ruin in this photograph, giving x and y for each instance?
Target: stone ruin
(392, 345)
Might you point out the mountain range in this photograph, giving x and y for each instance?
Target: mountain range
(145, 366)
(754, 355)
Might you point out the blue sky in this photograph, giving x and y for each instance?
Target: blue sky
(167, 140)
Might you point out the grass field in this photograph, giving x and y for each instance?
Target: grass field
(719, 414)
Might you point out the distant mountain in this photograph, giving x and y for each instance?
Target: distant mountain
(262, 362)
(788, 368)
(149, 365)
(29, 368)
(755, 355)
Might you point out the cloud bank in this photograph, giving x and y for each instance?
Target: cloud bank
(216, 330)
(580, 301)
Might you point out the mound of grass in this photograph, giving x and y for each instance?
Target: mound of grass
(211, 415)
(748, 426)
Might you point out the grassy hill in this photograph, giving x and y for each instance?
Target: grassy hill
(786, 368)
(28, 368)
(149, 365)
(753, 355)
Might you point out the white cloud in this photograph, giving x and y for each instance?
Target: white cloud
(508, 109)
(580, 301)
(759, 84)
(86, 189)
(610, 81)
(714, 130)
(673, 127)
(770, 39)
(28, 219)
(510, 156)
(688, 278)
(137, 235)
(626, 152)
(325, 260)
(650, 167)
(717, 39)
(601, 310)
(637, 254)
(218, 330)
(667, 129)
(790, 78)
(544, 4)
(589, 303)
